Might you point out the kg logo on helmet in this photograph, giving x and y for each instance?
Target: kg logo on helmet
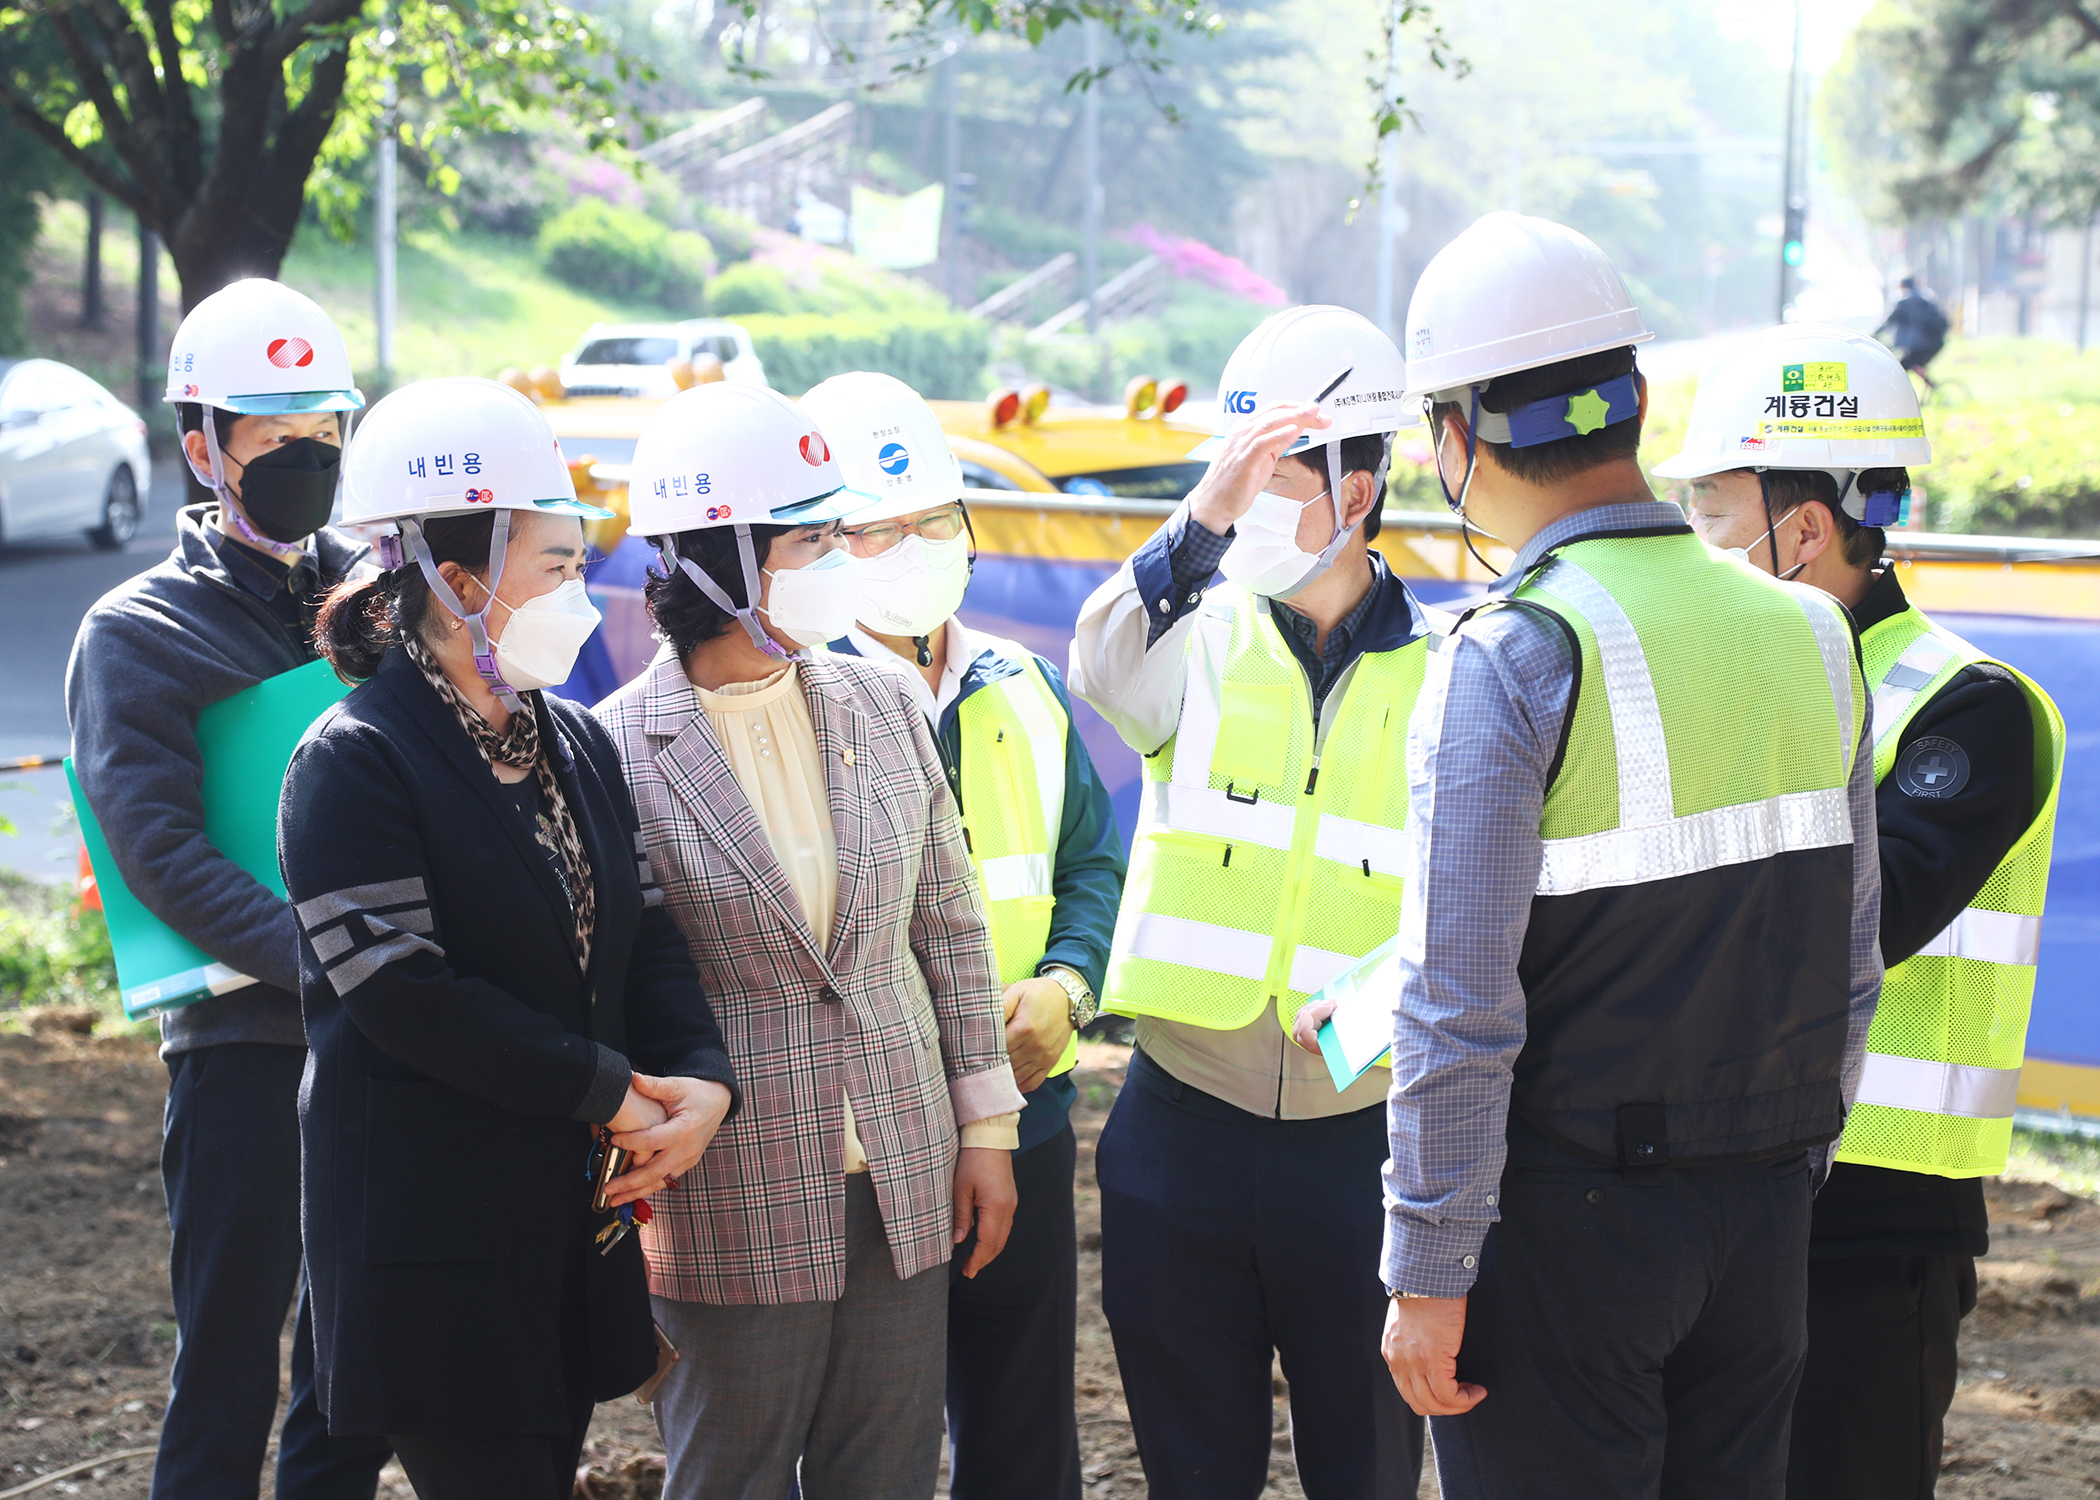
(814, 450)
(893, 458)
(1239, 403)
(288, 354)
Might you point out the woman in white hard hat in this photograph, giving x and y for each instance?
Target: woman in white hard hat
(796, 810)
(493, 995)
(1043, 838)
(260, 382)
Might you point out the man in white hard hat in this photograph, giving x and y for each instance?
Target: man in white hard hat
(1797, 455)
(261, 385)
(1239, 1219)
(1043, 838)
(1637, 950)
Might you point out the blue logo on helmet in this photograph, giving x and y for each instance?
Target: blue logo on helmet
(893, 458)
(1239, 403)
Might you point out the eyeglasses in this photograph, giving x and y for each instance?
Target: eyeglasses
(877, 537)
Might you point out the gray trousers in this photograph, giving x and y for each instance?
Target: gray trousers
(852, 1388)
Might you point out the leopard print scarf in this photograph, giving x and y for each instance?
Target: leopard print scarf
(520, 746)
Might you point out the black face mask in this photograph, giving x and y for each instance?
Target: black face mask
(288, 491)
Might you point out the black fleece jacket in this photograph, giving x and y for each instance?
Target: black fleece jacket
(1936, 854)
(151, 655)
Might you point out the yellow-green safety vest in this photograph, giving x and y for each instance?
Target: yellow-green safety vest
(1013, 735)
(1943, 1056)
(1266, 861)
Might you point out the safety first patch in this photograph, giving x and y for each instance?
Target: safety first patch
(1856, 429)
(1826, 375)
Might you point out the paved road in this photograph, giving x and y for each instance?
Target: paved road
(45, 588)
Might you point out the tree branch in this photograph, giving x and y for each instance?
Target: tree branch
(185, 140)
(297, 29)
(25, 115)
(2085, 20)
(282, 192)
(116, 128)
(134, 65)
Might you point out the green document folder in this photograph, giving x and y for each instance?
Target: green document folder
(1359, 1035)
(246, 742)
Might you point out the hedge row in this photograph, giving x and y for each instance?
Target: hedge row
(941, 355)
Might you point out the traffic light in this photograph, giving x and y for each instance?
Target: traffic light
(1796, 230)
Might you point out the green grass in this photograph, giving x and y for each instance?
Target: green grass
(468, 304)
(2072, 1162)
(51, 953)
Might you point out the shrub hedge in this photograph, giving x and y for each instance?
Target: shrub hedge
(624, 254)
(938, 354)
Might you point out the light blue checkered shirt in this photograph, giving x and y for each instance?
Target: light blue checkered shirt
(1477, 772)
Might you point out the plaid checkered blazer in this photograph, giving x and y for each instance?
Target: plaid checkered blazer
(898, 1008)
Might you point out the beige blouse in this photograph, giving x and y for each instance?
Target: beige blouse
(766, 733)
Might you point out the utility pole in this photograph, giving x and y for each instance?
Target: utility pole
(1392, 218)
(92, 308)
(951, 126)
(1792, 238)
(149, 318)
(386, 226)
(1090, 170)
(2085, 281)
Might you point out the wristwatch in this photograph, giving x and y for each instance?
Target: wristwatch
(1084, 1006)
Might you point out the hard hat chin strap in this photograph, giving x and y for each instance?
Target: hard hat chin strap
(746, 615)
(476, 621)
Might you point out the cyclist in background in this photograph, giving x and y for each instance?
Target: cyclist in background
(1916, 329)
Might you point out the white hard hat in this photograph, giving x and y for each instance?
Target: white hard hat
(1805, 396)
(259, 348)
(887, 443)
(1299, 354)
(455, 446)
(1513, 293)
(727, 454)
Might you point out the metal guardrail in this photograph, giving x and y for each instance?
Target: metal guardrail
(1127, 292)
(1009, 303)
(718, 135)
(761, 180)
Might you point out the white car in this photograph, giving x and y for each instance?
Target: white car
(635, 359)
(72, 457)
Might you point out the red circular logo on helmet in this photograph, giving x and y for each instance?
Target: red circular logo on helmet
(289, 354)
(481, 497)
(813, 449)
(718, 513)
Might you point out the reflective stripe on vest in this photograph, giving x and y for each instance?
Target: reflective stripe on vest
(1938, 1088)
(1651, 842)
(1012, 736)
(1266, 861)
(1944, 1051)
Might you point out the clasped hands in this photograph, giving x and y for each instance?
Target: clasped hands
(667, 1123)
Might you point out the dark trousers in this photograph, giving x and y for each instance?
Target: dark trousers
(1012, 1331)
(1226, 1235)
(230, 1162)
(510, 1466)
(1869, 1421)
(1638, 1339)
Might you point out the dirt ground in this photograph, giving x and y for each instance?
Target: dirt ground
(87, 1333)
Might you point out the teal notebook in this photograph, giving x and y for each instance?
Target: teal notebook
(246, 742)
(1359, 1035)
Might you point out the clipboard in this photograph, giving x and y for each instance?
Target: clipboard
(1359, 1035)
(246, 742)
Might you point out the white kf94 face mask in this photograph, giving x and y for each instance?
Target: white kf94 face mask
(1265, 557)
(815, 604)
(539, 644)
(914, 588)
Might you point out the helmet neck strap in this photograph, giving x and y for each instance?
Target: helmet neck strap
(746, 615)
(476, 621)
